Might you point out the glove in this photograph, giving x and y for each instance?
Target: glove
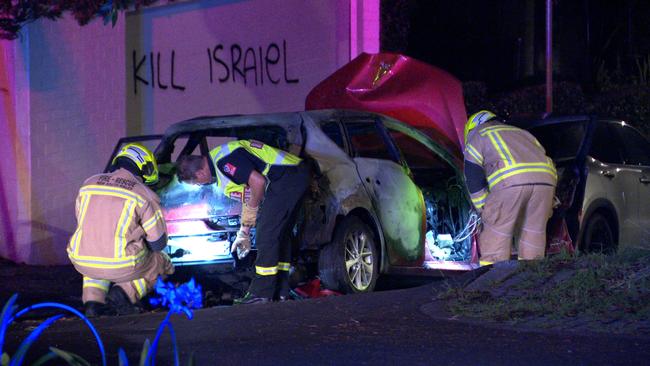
(242, 244)
(248, 215)
(556, 202)
(168, 266)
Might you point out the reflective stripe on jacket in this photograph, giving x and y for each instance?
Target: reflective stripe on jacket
(268, 154)
(509, 156)
(115, 213)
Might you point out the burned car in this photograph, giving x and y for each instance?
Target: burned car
(385, 197)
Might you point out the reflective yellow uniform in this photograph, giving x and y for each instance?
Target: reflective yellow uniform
(512, 181)
(116, 216)
(288, 179)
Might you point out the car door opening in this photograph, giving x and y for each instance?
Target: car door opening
(450, 220)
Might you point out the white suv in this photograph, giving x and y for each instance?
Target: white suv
(604, 185)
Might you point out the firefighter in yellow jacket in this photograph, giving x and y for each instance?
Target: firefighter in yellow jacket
(120, 234)
(277, 181)
(512, 183)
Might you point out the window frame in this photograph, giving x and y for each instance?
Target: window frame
(619, 148)
(393, 153)
(346, 144)
(619, 126)
(584, 143)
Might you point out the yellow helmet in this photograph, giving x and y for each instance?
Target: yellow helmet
(143, 158)
(475, 120)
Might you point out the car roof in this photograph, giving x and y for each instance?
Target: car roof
(528, 123)
(229, 121)
(292, 121)
(284, 119)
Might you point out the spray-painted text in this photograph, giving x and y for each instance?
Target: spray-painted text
(254, 65)
(234, 63)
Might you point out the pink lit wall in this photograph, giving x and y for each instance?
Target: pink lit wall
(15, 164)
(77, 113)
(69, 92)
(236, 58)
(364, 27)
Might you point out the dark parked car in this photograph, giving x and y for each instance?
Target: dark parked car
(604, 179)
(386, 198)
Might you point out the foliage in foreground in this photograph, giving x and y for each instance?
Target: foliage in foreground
(16, 14)
(179, 299)
(607, 288)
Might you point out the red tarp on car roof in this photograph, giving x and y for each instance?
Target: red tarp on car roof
(411, 91)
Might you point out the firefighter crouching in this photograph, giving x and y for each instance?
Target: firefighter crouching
(511, 183)
(120, 234)
(240, 164)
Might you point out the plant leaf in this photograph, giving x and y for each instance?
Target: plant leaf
(144, 353)
(71, 358)
(45, 358)
(5, 318)
(123, 360)
(190, 361)
(73, 311)
(24, 346)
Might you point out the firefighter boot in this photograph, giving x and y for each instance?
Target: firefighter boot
(120, 301)
(249, 298)
(93, 309)
(283, 290)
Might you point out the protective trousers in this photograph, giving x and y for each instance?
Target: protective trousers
(136, 281)
(274, 225)
(518, 211)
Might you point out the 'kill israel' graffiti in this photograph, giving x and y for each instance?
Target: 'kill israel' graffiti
(254, 66)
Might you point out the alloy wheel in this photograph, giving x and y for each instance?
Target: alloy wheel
(359, 259)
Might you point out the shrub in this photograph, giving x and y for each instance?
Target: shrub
(627, 102)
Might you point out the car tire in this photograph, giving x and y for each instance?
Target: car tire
(599, 237)
(349, 264)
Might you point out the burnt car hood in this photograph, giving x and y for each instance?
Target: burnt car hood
(411, 91)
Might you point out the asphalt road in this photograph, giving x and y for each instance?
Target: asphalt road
(392, 327)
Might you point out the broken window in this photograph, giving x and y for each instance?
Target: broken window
(367, 141)
(333, 131)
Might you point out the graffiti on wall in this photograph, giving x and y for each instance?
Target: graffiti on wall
(155, 78)
(251, 66)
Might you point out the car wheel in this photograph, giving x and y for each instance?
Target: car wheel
(599, 236)
(350, 263)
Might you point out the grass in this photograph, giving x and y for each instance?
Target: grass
(598, 287)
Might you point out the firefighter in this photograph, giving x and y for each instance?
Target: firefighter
(511, 183)
(120, 234)
(276, 181)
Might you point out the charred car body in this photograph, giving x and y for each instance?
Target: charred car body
(387, 193)
(386, 198)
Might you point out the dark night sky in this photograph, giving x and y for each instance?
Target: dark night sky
(503, 42)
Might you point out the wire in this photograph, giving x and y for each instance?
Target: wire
(472, 224)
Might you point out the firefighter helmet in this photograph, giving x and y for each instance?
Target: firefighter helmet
(143, 158)
(477, 119)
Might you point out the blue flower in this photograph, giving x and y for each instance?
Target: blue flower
(179, 299)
